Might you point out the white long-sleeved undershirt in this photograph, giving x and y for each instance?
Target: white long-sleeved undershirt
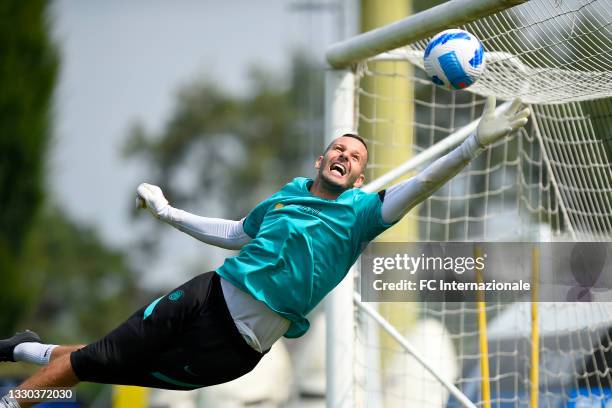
(398, 200)
(264, 328)
(227, 234)
(402, 197)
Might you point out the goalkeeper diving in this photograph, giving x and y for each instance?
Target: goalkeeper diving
(295, 247)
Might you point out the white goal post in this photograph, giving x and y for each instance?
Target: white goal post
(411, 29)
(553, 181)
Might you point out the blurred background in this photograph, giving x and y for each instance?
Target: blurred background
(219, 103)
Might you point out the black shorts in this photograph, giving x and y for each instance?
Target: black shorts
(181, 341)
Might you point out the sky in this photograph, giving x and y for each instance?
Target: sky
(124, 61)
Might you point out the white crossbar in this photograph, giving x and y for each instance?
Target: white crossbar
(410, 29)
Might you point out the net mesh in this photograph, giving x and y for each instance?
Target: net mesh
(552, 181)
(546, 51)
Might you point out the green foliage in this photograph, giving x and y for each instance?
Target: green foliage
(58, 274)
(83, 288)
(233, 147)
(28, 70)
(78, 287)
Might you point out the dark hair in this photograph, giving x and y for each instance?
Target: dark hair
(353, 135)
(356, 136)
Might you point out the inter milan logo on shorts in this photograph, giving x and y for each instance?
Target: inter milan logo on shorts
(176, 295)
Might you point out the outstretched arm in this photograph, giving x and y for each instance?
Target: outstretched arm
(402, 197)
(226, 234)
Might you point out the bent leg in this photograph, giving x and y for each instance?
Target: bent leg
(130, 354)
(181, 341)
(58, 373)
(184, 340)
(63, 350)
(42, 354)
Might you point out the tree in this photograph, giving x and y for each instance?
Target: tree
(84, 289)
(60, 275)
(237, 148)
(28, 72)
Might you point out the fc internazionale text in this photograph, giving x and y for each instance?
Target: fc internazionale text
(441, 285)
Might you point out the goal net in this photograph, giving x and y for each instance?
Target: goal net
(551, 182)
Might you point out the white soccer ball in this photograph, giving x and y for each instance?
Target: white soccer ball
(454, 59)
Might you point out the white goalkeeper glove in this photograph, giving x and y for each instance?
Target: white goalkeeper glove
(152, 198)
(493, 127)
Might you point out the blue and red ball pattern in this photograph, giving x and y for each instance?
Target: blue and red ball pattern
(454, 59)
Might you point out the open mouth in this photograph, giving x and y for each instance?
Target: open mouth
(338, 169)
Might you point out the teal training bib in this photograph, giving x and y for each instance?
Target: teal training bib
(302, 247)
